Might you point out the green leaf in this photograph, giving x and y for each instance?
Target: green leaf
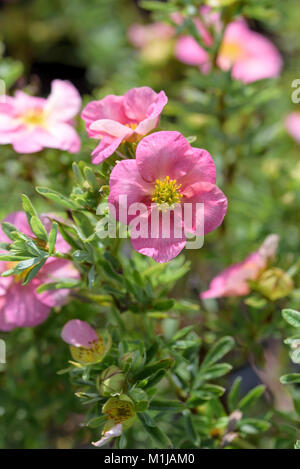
(27, 264)
(10, 230)
(297, 444)
(233, 396)
(156, 433)
(151, 369)
(32, 273)
(12, 258)
(295, 356)
(96, 421)
(221, 348)
(34, 219)
(292, 317)
(38, 228)
(215, 371)
(165, 405)
(290, 378)
(190, 428)
(57, 197)
(251, 397)
(164, 305)
(182, 332)
(52, 237)
(157, 6)
(60, 284)
(253, 426)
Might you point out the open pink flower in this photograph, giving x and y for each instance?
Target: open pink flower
(30, 123)
(167, 174)
(22, 306)
(116, 119)
(248, 54)
(292, 123)
(234, 281)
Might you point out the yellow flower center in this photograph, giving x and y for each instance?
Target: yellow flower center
(166, 192)
(131, 126)
(34, 117)
(231, 51)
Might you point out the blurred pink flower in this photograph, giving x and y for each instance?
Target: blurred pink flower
(30, 123)
(234, 281)
(79, 334)
(167, 172)
(140, 35)
(250, 55)
(292, 123)
(115, 119)
(22, 306)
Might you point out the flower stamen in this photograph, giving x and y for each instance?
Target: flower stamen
(167, 192)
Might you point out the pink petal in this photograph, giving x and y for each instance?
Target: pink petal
(233, 281)
(125, 179)
(64, 101)
(105, 149)
(22, 308)
(53, 271)
(160, 249)
(144, 106)
(153, 113)
(24, 102)
(292, 123)
(23, 142)
(164, 154)
(203, 169)
(78, 333)
(111, 128)
(58, 135)
(110, 107)
(269, 247)
(188, 51)
(215, 204)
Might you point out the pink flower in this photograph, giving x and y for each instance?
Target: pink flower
(167, 173)
(30, 123)
(22, 306)
(250, 55)
(234, 281)
(79, 334)
(86, 345)
(292, 123)
(188, 50)
(154, 41)
(116, 119)
(141, 35)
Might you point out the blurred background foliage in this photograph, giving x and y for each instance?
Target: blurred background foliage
(258, 168)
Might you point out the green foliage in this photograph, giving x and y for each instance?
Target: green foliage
(175, 362)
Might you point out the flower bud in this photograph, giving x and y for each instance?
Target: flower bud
(274, 283)
(111, 381)
(120, 409)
